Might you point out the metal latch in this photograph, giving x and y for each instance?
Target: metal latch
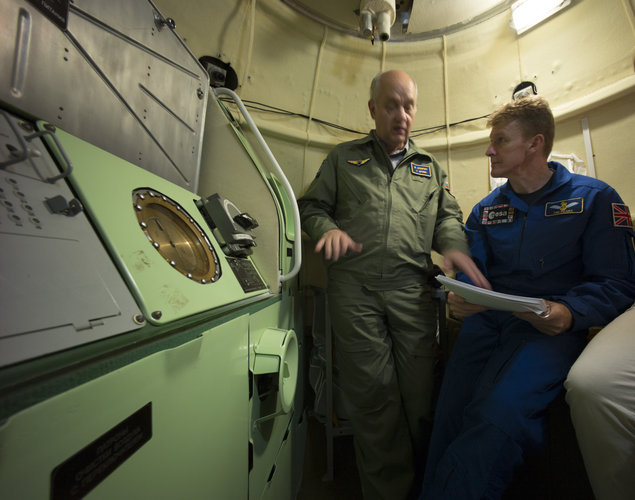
(59, 205)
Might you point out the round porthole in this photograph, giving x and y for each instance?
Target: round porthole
(176, 236)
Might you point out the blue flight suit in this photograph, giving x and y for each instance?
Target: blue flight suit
(573, 245)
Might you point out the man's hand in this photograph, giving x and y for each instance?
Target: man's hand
(556, 320)
(336, 243)
(461, 308)
(455, 259)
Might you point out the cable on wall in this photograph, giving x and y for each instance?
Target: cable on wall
(266, 108)
(316, 78)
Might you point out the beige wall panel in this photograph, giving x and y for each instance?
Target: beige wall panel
(612, 129)
(586, 47)
(482, 70)
(569, 138)
(347, 67)
(207, 27)
(283, 57)
(470, 176)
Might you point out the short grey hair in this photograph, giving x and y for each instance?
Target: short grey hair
(374, 87)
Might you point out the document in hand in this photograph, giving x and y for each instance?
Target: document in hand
(493, 300)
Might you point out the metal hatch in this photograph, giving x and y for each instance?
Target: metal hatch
(117, 77)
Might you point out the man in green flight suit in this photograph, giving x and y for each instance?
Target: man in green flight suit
(377, 208)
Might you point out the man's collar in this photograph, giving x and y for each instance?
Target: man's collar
(401, 151)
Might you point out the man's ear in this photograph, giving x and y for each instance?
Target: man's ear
(371, 108)
(537, 143)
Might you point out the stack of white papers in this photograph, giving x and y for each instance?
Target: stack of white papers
(493, 300)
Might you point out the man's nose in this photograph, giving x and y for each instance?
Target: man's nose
(490, 151)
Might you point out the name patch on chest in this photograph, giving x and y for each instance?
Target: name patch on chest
(424, 170)
(571, 206)
(498, 214)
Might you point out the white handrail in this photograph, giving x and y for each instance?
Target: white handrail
(297, 245)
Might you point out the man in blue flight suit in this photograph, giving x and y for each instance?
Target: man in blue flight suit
(545, 233)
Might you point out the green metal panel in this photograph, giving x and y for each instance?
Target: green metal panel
(200, 419)
(105, 184)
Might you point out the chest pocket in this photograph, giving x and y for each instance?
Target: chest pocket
(361, 201)
(565, 246)
(351, 190)
(425, 214)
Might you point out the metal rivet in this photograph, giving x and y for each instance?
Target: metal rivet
(139, 319)
(157, 314)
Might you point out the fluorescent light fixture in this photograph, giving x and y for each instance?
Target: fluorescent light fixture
(527, 13)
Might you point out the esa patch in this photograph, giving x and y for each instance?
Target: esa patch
(498, 214)
(563, 207)
(424, 170)
(621, 216)
(359, 163)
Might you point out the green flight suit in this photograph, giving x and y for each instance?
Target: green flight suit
(383, 317)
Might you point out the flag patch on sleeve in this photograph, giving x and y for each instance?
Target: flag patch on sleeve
(621, 216)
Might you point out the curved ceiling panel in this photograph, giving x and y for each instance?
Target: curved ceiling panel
(416, 19)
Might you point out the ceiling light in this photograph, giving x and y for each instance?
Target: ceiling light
(527, 13)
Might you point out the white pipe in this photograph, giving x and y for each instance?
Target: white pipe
(383, 25)
(366, 23)
(588, 147)
(297, 245)
(316, 78)
(383, 15)
(250, 42)
(446, 103)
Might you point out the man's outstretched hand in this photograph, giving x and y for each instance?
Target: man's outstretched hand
(336, 243)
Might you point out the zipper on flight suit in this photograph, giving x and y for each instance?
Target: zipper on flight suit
(522, 235)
